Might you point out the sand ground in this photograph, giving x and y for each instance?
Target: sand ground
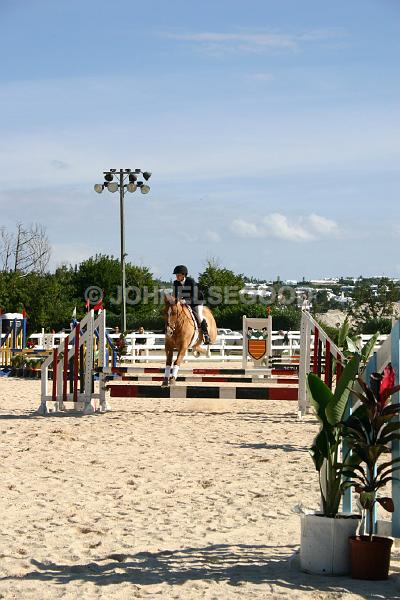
(183, 499)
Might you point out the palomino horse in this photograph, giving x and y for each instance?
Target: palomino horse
(180, 331)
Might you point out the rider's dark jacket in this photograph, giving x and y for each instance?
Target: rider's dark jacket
(188, 290)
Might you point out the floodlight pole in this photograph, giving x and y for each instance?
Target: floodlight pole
(122, 226)
(132, 175)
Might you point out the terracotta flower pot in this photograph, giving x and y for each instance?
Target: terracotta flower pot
(370, 559)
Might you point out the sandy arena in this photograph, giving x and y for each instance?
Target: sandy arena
(168, 499)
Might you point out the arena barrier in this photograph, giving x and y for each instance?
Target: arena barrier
(75, 369)
(83, 356)
(254, 381)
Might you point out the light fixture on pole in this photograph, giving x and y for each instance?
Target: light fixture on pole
(128, 180)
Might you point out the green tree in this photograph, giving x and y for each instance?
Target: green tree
(373, 303)
(104, 272)
(9, 285)
(221, 287)
(47, 301)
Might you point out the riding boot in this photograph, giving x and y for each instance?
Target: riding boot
(204, 329)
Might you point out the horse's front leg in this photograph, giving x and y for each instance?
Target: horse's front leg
(177, 364)
(168, 363)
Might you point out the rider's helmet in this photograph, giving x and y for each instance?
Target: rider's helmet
(181, 269)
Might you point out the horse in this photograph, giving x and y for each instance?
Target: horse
(179, 334)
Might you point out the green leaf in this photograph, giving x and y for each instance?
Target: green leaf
(369, 346)
(386, 439)
(356, 472)
(320, 394)
(352, 461)
(367, 500)
(319, 450)
(391, 427)
(352, 345)
(382, 482)
(387, 469)
(343, 333)
(391, 409)
(337, 404)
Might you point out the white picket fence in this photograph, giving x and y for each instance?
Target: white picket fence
(227, 347)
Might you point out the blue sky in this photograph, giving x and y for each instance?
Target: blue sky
(271, 127)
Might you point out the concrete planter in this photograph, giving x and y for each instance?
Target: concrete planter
(324, 546)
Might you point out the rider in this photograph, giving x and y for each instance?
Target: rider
(187, 290)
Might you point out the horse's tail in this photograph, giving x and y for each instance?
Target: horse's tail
(211, 324)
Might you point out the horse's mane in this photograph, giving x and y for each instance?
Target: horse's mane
(170, 301)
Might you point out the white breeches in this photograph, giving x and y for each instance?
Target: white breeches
(199, 311)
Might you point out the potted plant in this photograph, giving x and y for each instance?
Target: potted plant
(36, 367)
(324, 535)
(18, 365)
(369, 432)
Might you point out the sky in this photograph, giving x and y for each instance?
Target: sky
(271, 128)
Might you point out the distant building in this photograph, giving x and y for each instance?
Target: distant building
(325, 282)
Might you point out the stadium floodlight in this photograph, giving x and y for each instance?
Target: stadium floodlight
(123, 179)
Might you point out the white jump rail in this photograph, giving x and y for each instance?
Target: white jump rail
(309, 325)
(83, 398)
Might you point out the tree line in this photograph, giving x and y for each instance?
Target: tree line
(50, 299)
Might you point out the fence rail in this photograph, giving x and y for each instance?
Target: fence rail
(227, 347)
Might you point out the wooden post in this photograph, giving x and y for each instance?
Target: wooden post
(304, 366)
(65, 370)
(76, 361)
(316, 347)
(55, 371)
(327, 362)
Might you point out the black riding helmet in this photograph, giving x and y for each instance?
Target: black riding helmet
(181, 269)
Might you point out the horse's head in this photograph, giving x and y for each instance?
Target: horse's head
(172, 312)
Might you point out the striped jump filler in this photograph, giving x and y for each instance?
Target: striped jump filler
(121, 390)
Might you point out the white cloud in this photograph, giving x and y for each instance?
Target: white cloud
(254, 41)
(323, 225)
(278, 226)
(212, 236)
(240, 40)
(245, 229)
